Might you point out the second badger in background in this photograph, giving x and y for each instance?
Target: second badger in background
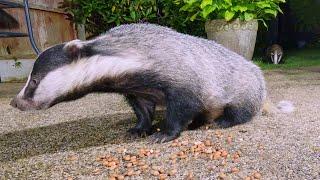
(275, 54)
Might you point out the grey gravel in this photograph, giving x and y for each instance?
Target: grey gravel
(65, 141)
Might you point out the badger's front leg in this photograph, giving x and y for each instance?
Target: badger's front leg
(144, 110)
(182, 107)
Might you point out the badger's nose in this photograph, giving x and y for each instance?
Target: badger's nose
(20, 104)
(13, 103)
(23, 104)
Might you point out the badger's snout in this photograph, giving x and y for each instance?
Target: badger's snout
(23, 104)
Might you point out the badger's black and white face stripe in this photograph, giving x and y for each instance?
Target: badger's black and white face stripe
(62, 71)
(276, 56)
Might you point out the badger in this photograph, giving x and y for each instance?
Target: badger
(197, 80)
(275, 54)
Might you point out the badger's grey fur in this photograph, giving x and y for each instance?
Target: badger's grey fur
(197, 79)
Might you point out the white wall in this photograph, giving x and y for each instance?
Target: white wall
(8, 71)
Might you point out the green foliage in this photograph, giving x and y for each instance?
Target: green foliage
(229, 10)
(101, 15)
(173, 17)
(17, 64)
(307, 13)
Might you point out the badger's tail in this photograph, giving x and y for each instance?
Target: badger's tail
(282, 107)
(285, 107)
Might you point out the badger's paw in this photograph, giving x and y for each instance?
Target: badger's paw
(224, 123)
(138, 132)
(160, 137)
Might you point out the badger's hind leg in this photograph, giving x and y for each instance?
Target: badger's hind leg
(233, 115)
(144, 110)
(182, 107)
(198, 121)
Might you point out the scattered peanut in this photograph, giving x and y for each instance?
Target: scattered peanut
(189, 176)
(222, 176)
(155, 173)
(157, 168)
(126, 158)
(207, 143)
(120, 177)
(129, 165)
(130, 172)
(234, 170)
(173, 172)
(257, 175)
(163, 176)
(224, 153)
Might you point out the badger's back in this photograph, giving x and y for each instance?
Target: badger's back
(224, 76)
(190, 59)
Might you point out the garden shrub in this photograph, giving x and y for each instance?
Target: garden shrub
(101, 15)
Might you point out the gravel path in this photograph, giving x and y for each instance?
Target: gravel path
(85, 139)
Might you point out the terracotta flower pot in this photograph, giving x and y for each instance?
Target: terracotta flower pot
(238, 36)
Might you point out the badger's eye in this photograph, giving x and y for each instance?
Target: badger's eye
(33, 82)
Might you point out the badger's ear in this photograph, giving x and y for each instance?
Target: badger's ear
(74, 48)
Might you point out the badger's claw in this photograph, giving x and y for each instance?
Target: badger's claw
(138, 132)
(160, 137)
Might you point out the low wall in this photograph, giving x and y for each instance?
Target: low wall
(50, 27)
(15, 71)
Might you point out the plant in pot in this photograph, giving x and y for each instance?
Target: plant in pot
(232, 23)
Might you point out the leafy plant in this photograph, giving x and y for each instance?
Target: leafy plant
(171, 16)
(229, 10)
(17, 63)
(100, 15)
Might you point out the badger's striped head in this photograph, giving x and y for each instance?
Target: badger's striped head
(276, 53)
(276, 56)
(70, 71)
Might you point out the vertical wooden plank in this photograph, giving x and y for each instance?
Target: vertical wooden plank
(50, 27)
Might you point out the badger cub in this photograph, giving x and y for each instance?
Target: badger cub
(198, 80)
(275, 54)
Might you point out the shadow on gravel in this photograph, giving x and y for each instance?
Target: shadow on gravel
(96, 131)
(9, 90)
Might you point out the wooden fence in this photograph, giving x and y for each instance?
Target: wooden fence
(49, 25)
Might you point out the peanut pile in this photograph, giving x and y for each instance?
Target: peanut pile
(123, 165)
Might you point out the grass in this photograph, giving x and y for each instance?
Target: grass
(293, 60)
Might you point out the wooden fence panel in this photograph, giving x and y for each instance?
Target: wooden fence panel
(49, 27)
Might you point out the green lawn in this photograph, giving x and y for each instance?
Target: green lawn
(293, 59)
